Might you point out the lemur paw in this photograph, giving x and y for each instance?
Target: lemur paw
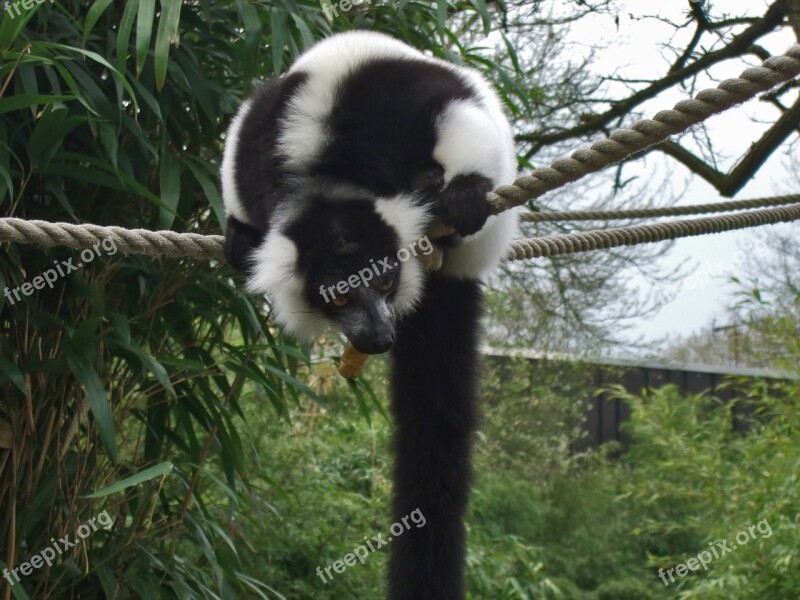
(463, 204)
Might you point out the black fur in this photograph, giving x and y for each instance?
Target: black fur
(383, 134)
(240, 241)
(383, 124)
(261, 175)
(336, 240)
(463, 203)
(382, 139)
(434, 410)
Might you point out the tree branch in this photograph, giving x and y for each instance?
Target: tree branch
(700, 16)
(761, 151)
(695, 164)
(729, 184)
(739, 45)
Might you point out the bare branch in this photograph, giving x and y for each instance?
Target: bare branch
(699, 15)
(693, 163)
(761, 150)
(729, 184)
(739, 45)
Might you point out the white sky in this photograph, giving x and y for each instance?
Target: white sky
(635, 53)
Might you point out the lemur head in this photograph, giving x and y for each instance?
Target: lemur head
(343, 259)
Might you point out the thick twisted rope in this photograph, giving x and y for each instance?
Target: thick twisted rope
(624, 142)
(128, 241)
(192, 245)
(644, 213)
(571, 243)
(621, 144)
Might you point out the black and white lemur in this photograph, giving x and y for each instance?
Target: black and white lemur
(338, 164)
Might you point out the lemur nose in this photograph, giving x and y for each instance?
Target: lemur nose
(383, 342)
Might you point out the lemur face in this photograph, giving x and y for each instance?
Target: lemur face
(348, 257)
(365, 312)
(338, 257)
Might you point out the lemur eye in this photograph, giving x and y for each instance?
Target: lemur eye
(340, 301)
(387, 285)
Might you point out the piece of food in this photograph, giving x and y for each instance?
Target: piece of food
(352, 362)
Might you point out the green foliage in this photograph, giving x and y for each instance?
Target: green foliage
(545, 523)
(696, 482)
(625, 589)
(590, 526)
(326, 489)
(229, 462)
(534, 415)
(113, 113)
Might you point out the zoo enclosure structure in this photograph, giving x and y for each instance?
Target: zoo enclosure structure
(605, 414)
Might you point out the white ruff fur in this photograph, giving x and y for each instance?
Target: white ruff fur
(304, 136)
(230, 192)
(408, 220)
(276, 273)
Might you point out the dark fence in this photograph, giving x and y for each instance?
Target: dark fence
(605, 414)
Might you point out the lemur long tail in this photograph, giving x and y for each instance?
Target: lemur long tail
(434, 408)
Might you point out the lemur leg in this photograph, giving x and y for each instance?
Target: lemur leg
(434, 408)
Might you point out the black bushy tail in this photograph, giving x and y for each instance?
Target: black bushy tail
(434, 407)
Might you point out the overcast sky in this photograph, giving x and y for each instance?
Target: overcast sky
(635, 53)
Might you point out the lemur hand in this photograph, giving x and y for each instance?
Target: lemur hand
(463, 204)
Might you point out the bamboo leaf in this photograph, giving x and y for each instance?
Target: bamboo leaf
(98, 401)
(144, 31)
(17, 590)
(170, 177)
(211, 192)
(150, 363)
(99, 60)
(278, 27)
(297, 384)
(94, 14)
(140, 477)
(20, 101)
(166, 36)
(14, 374)
(124, 33)
(11, 28)
(51, 129)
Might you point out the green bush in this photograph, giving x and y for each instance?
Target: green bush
(113, 113)
(625, 589)
(693, 482)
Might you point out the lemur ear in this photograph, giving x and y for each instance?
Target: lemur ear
(240, 242)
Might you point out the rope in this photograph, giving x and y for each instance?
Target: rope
(571, 243)
(129, 241)
(621, 144)
(643, 213)
(624, 142)
(192, 245)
